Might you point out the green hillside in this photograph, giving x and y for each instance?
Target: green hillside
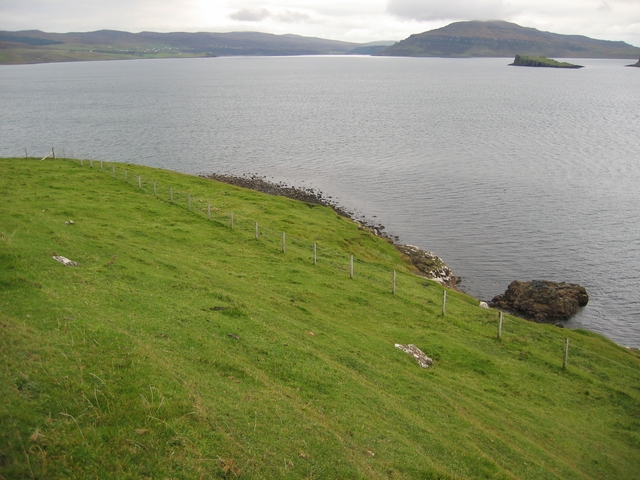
(180, 347)
(34, 46)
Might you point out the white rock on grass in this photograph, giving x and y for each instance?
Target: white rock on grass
(65, 261)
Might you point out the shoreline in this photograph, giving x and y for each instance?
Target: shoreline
(425, 263)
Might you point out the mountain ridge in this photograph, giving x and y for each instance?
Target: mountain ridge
(498, 38)
(35, 46)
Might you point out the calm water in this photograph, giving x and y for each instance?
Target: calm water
(506, 173)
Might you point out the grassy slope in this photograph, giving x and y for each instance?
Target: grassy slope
(123, 368)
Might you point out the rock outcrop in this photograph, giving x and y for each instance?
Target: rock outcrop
(429, 265)
(542, 300)
(637, 64)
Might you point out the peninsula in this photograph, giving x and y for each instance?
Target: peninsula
(189, 337)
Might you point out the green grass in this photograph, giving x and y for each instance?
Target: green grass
(123, 367)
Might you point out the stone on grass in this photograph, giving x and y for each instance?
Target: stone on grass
(416, 353)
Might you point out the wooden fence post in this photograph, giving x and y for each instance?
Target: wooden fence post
(101, 167)
(315, 253)
(25, 154)
(171, 194)
(394, 282)
(53, 152)
(566, 353)
(231, 221)
(139, 182)
(284, 242)
(444, 302)
(113, 169)
(209, 210)
(91, 163)
(351, 267)
(257, 232)
(189, 201)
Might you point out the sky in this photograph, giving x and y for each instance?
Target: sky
(349, 20)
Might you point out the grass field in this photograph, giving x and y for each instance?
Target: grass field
(183, 348)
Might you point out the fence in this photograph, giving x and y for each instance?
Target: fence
(280, 241)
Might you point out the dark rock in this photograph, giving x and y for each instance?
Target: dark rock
(542, 300)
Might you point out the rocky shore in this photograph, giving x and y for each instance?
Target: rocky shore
(426, 264)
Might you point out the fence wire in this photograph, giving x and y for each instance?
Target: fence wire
(330, 258)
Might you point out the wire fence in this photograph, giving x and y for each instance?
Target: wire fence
(312, 251)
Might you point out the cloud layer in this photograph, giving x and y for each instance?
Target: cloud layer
(429, 10)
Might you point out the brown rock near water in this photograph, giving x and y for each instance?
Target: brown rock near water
(542, 300)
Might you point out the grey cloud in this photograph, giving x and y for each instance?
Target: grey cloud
(431, 10)
(294, 17)
(247, 15)
(288, 16)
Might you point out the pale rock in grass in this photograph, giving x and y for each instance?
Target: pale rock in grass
(65, 261)
(418, 354)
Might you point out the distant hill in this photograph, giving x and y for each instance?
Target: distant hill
(504, 39)
(34, 46)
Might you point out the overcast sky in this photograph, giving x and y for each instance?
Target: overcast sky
(350, 20)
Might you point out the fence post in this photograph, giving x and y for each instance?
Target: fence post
(126, 176)
(209, 210)
(500, 326)
(171, 194)
(90, 161)
(231, 221)
(53, 152)
(444, 302)
(257, 233)
(566, 353)
(25, 154)
(81, 163)
(284, 242)
(113, 169)
(394, 282)
(155, 188)
(315, 253)
(139, 182)
(101, 167)
(189, 201)
(351, 267)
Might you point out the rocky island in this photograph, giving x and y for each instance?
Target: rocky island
(542, 300)
(527, 61)
(637, 64)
